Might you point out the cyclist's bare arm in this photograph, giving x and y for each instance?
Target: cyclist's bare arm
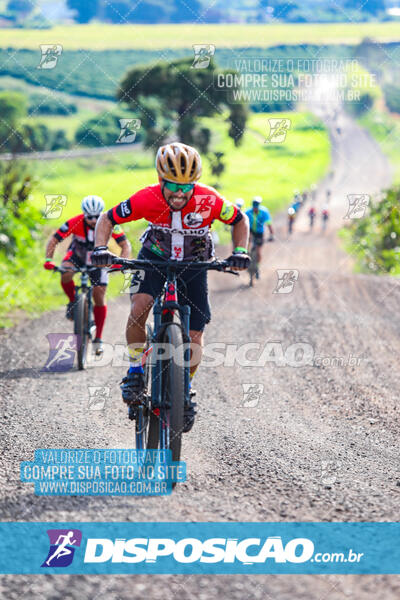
(271, 231)
(125, 249)
(51, 246)
(103, 230)
(240, 233)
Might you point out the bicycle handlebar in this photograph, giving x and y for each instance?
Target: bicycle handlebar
(137, 263)
(76, 270)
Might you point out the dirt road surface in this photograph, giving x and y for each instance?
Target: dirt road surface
(316, 443)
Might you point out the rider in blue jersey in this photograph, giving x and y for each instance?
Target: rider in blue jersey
(259, 217)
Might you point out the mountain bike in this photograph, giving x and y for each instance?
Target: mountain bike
(159, 418)
(84, 325)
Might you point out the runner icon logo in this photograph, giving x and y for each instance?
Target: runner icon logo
(63, 347)
(358, 204)
(202, 55)
(54, 205)
(50, 55)
(278, 129)
(129, 128)
(286, 280)
(63, 543)
(252, 393)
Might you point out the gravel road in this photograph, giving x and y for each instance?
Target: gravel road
(318, 443)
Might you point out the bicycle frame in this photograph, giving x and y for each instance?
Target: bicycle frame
(164, 309)
(85, 285)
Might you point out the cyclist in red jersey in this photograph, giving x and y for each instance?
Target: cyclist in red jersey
(79, 252)
(180, 213)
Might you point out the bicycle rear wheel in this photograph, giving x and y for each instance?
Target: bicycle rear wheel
(173, 394)
(81, 320)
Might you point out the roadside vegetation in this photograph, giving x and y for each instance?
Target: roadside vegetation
(375, 239)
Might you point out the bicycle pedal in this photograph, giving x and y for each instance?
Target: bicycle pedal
(132, 413)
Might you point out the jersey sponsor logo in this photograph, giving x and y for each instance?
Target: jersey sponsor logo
(170, 230)
(64, 227)
(157, 249)
(125, 210)
(193, 219)
(204, 204)
(177, 251)
(118, 229)
(227, 211)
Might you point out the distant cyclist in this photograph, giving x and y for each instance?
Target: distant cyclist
(325, 217)
(291, 218)
(297, 201)
(311, 215)
(259, 217)
(79, 252)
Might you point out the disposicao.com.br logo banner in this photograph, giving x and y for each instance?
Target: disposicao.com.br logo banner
(215, 548)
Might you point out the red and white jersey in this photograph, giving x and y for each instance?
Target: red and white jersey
(83, 236)
(177, 234)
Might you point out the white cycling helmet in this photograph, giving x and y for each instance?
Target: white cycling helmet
(92, 206)
(239, 202)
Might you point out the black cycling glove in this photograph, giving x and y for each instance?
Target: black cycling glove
(102, 257)
(239, 259)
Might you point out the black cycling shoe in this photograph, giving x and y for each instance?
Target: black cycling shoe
(98, 346)
(189, 413)
(69, 314)
(133, 388)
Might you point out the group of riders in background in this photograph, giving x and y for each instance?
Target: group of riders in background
(309, 197)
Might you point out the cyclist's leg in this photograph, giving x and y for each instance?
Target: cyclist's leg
(259, 243)
(136, 325)
(141, 302)
(99, 279)
(67, 279)
(195, 294)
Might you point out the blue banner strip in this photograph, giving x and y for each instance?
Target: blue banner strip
(204, 548)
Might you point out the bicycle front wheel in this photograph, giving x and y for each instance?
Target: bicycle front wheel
(173, 393)
(81, 320)
(146, 426)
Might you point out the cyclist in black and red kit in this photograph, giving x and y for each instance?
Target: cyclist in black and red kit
(79, 252)
(180, 212)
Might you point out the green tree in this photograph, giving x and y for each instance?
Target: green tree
(184, 94)
(13, 107)
(21, 7)
(19, 219)
(373, 7)
(217, 165)
(122, 11)
(85, 11)
(187, 12)
(375, 239)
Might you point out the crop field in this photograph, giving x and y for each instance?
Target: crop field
(152, 37)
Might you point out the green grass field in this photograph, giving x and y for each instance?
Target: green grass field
(254, 168)
(151, 37)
